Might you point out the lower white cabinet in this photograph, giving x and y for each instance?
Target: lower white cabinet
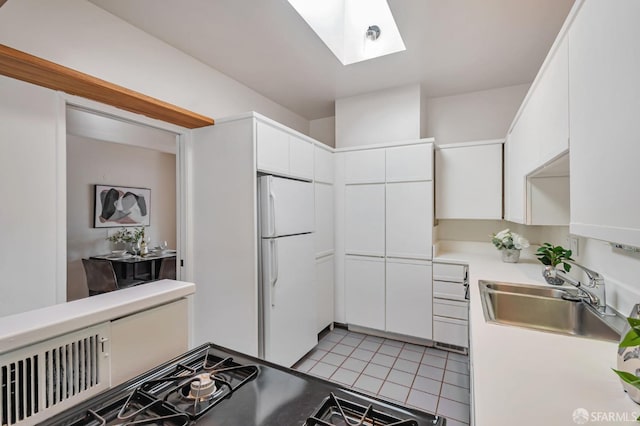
(324, 290)
(159, 334)
(408, 298)
(365, 291)
(451, 331)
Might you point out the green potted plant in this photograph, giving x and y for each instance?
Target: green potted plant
(629, 356)
(552, 256)
(128, 237)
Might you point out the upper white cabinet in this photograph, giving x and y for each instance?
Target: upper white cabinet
(365, 166)
(282, 153)
(469, 181)
(409, 163)
(409, 219)
(604, 66)
(540, 132)
(365, 219)
(273, 149)
(323, 170)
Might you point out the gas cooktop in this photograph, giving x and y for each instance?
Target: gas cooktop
(211, 385)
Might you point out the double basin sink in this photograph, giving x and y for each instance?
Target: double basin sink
(544, 308)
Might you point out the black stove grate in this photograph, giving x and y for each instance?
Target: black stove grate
(341, 412)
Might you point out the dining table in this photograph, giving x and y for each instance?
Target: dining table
(130, 267)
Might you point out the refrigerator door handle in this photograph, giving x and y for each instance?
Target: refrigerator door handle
(274, 269)
(272, 212)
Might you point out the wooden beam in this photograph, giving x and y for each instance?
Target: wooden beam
(29, 68)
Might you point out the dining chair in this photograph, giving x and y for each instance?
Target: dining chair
(101, 278)
(167, 269)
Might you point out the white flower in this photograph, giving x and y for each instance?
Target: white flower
(520, 242)
(503, 234)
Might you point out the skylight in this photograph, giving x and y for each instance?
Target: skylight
(343, 26)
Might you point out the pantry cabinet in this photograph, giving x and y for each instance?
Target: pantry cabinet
(365, 219)
(604, 121)
(365, 291)
(408, 298)
(364, 166)
(409, 163)
(324, 291)
(409, 219)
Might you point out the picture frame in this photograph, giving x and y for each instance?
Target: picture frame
(123, 206)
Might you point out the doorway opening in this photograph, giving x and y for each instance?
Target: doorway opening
(110, 150)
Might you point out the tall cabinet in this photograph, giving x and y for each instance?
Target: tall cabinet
(387, 195)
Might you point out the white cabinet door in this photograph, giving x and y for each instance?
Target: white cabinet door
(365, 293)
(324, 236)
(469, 182)
(515, 180)
(323, 170)
(409, 306)
(409, 222)
(366, 166)
(273, 149)
(364, 219)
(409, 163)
(324, 291)
(604, 92)
(300, 158)
(159, 333)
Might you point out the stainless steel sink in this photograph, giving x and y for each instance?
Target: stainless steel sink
(544, 308)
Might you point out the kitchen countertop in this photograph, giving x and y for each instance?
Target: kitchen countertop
(526, 377)
(34, 326)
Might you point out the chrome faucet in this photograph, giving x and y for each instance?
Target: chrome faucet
(595, 297)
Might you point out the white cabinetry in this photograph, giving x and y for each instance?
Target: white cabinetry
(408, 298)
(409, 219)
(469, 181)
(365, 166)
(540, 131)
(365, 219)
(365, 291)
(450, 305)
(159, 333)
(324, 236)
(604, 119)
(282, 153)
(387, 220)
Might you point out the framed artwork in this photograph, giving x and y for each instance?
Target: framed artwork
(118, 206)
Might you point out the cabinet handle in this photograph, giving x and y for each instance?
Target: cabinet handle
(274, 269)
(272, 207)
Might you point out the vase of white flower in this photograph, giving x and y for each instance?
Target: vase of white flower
(510, 244)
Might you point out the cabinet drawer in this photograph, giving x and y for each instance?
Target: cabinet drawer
(449, 272)
(449, 290)
(451, 309)
(451, 331)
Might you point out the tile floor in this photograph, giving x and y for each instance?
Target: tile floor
(426, 378)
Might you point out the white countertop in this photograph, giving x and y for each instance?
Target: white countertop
(34, 326)
(525, 377)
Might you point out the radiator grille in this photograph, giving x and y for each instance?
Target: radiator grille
(41, 380)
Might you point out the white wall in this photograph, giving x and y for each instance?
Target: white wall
(383, 116)
(324, 130)
(473, 116)
(91, 162)
(28, 216)
(79, 35)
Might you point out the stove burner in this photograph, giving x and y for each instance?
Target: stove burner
(340, 412)
(202, 387)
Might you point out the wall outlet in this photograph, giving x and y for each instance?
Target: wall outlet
(574, 246)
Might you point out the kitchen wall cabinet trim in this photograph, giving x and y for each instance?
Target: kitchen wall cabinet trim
(385, 145)
(35, 70)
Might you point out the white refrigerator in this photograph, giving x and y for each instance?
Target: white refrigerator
(287, 289)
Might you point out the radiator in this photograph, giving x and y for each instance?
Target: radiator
(41, 380)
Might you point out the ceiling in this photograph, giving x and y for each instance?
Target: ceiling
(453, 46)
